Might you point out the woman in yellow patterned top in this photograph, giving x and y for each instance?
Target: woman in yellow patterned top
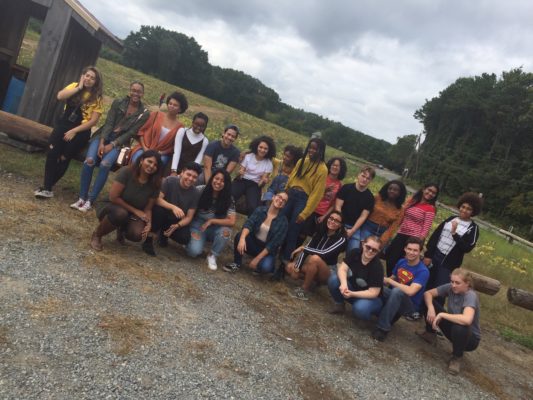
(73, 129)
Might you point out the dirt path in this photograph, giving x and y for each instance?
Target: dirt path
(117, 324)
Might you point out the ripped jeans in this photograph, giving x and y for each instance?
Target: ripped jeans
(105, 164)
(219, 235)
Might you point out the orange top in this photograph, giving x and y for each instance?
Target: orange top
(150, 132)
(386, 214)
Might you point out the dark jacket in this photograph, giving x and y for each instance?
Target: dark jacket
(129, 126)
(326, 247)
(463, 244)
(276, 233)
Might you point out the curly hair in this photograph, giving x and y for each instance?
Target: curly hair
(270, 143)
(343, 169)
(181, 99)
(384, 192)
(473, 200)
(295, 152)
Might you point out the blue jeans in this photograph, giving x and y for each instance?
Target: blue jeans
(105, 163)
(395, 304)
(295, 205)
(361, 308)
(354, 242)
(165, 158)
(253, 247)
(216, 234)
(370, 228)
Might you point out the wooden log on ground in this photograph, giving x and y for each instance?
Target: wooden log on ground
(486, 285)
(24, 130)
(520, 298)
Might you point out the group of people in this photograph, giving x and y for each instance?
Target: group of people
(301, 217)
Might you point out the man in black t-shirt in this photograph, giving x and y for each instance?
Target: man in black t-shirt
(355, 201)
(363, 288)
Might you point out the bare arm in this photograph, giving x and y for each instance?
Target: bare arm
(409, 290)
(115, 194)
(208, 164)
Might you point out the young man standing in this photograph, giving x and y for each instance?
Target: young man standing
(175, 208)
(221, 154)
(404, 289)
(355, 201)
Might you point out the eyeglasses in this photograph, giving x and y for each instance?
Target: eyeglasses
(337, 221)
(370, 249)
(281, 199)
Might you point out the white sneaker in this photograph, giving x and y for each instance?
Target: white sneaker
(77, 204)
(212, 262)
(43, 194)
(86, 206)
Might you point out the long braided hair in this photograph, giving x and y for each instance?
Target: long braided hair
(321, 153)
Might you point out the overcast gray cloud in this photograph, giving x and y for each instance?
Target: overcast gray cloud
(368, 64)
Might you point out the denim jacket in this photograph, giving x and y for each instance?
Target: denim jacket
(276, 233)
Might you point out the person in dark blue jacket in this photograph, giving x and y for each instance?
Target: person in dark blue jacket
(261, 236)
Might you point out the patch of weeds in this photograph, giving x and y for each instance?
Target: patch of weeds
(126, 332)
(513, 336)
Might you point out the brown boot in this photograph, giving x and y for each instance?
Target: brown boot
(101, 230)
(337, 309)
(454, 365)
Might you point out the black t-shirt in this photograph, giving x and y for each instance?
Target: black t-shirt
(364, 276)
(354, 202)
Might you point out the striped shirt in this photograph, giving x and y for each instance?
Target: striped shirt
(417, 220)
(326, 247)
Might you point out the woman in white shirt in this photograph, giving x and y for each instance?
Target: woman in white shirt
(255, 171)
(190, 143)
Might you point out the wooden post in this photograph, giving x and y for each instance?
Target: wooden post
(24, 130)
(520, 298)
(486, 285)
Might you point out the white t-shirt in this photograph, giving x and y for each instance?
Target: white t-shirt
(446, 242)
(255, 169)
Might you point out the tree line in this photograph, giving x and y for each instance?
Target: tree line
(479, 136)
(176, 58)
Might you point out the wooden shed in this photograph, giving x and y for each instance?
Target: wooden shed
(70, 39)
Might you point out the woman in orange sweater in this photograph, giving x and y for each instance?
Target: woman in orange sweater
(387, 212)
(159, 132)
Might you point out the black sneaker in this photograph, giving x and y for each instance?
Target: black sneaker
(163, 241)
(148, 246)
(279, 274)
(413, 316)
(380, 335)
(231, 267)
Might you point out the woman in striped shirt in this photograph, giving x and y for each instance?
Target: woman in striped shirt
(314, 261)
(417, 219)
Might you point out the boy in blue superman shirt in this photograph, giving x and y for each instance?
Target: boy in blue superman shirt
(403, 290)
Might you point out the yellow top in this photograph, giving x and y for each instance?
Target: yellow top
(87, 109)
(312, 182)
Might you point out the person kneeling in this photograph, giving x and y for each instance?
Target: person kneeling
(461, 323)
(131, 198)
(404, 288)
(261, 235)
(175, 208)
(363, 287)
(313, 261)
(214, 218)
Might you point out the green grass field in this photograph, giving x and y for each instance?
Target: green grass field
(493, 256)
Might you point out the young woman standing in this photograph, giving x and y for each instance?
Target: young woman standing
(417, 219)
(73, 129)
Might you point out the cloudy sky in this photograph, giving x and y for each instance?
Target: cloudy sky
(366, 63)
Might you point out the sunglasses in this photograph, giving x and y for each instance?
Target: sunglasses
(370, 249)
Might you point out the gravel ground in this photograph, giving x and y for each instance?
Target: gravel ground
(120, 325)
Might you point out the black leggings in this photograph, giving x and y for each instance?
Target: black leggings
(161, 221)
(122, 219)
(60, 152)
(395, 251)
(250, 190)
(460, 335)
